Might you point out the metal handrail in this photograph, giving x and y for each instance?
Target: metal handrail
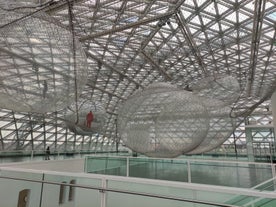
(189, 161)
(263, 183)
(192, 160)
(103, 190)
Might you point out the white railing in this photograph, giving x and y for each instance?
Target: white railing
(113, 189)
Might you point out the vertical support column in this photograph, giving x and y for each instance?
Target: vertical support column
(249, 144)
(273, 108)
(273, 170)
(32, 154)
(189, 171)
(273, 146)
(86, 164)
(41, 191)
(273, 166)
(116, 136)
(127, 167)
(103, 192)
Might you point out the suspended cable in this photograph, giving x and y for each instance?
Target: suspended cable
(71, 26)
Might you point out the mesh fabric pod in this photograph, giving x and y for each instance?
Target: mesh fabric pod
(130, 106)
(38, 72)
(223, 88)
(163, 122)
(78, 124)
(135, 117)
(220, 129)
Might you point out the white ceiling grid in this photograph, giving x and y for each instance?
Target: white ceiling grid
(132, 43)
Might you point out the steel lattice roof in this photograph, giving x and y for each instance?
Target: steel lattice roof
(130, 44)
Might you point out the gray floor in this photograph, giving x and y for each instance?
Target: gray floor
(37, 158)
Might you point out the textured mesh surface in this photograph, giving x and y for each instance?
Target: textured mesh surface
(224, 88)
(37, 64)
(131, 44)
(220, 128)
(77, 123)
(163, 123)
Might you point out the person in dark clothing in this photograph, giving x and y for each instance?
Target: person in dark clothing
(45, 88)
(47, 156)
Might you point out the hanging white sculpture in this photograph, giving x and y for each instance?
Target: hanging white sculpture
(41, 69)
(162, 121)
(221, 126)
(89, 119)
(225, 88)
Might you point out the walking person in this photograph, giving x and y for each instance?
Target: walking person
(47, 155)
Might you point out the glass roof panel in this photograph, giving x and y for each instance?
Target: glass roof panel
(129, 44)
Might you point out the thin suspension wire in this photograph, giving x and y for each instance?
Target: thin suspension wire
(71, 26)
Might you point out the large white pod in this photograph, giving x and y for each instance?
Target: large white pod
(41, 70)
(226, 89)
(220, 129)
(162, 121)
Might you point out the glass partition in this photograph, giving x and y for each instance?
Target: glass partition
(160, 193)
(242, 175)
(106, 165)
(20, 192)
(67, 194)
(221, 173)
(163, 169)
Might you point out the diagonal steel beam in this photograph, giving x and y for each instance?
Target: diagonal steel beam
(125, 27)
(189, 38)
(55, 6)
(102, 90)
(112, 68)
(256, 35)
(156, 65)
(172, 10)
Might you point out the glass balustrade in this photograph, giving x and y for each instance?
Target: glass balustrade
(135, 182)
